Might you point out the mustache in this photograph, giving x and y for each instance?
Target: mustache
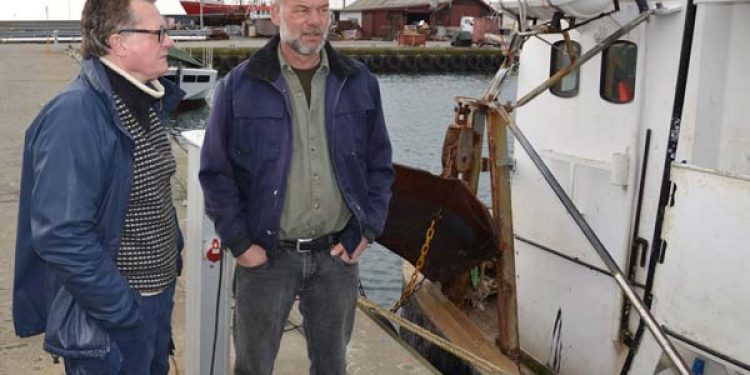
(316, 31)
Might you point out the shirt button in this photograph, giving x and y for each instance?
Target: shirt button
(316, 205)
(312, 148)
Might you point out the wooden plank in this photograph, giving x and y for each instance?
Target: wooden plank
(455, 326)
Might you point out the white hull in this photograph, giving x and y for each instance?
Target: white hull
(196, 82)
(570, 315)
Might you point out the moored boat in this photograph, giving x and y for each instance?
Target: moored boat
(212, 8)
(621, 214)
(192, 77)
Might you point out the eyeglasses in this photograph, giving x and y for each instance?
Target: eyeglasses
(159, 33)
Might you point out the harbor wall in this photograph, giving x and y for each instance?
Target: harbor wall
(387, 60)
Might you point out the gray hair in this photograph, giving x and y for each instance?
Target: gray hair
(102, 18)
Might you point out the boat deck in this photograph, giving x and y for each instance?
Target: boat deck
(456, 326)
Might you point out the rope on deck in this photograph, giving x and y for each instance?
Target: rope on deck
(444, 344)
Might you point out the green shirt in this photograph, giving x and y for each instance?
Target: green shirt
(313, 205)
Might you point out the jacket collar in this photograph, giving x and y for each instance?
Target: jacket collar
(264, 64)
(92, 70)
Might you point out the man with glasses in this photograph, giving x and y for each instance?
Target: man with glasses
(161, 33)
(98, 243)
(296, 173)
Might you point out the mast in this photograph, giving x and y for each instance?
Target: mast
(201, 14)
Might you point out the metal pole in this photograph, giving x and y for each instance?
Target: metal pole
(600, 250)
(502, 214)
(201, 14)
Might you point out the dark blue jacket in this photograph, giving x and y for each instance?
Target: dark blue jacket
(75, 189)
(247, 150)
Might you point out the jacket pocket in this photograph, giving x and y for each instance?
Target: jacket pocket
(71, 333)
(257, 140)
(351, 129)
(353, 114)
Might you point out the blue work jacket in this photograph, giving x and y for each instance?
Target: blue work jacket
(247, 150)
(75, 189)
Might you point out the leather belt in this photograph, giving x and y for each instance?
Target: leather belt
(304, 245)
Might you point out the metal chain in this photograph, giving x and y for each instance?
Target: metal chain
(409, 289)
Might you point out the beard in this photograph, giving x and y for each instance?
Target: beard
(296, 42)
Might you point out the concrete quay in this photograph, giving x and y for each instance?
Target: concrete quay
(380, 56)
(29, 76)
(242, 42)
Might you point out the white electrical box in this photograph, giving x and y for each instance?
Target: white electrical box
(209, 279)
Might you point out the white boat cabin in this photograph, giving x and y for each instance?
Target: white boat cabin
(674, 93)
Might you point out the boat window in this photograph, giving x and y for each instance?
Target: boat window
(568, 86)
(188, 78)
(204, 78)
(618, 72)
(169, 77)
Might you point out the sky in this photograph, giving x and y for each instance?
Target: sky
(62, 10)
(70, 10)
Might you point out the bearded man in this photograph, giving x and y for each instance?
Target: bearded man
(296, 174)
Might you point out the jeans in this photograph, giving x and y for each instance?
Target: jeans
(327, 290)
(143, 351)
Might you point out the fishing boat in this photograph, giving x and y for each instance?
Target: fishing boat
(615, 240)
(212, 8)
(196, 82)
(220, 13)
(192, 76)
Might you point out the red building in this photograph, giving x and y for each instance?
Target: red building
(384, 18)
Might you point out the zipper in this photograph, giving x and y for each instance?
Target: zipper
(286, 167)
(332, 151)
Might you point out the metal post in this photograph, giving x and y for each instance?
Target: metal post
(503, 215)
(477, 121)
(201, 14)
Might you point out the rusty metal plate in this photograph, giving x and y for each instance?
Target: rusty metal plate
(464, 235)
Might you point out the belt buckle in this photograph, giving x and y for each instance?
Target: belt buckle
(302, 241)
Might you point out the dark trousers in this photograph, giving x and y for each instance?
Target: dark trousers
(327, 290)
(145, 352)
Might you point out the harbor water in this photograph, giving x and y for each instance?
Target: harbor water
(418, 109)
